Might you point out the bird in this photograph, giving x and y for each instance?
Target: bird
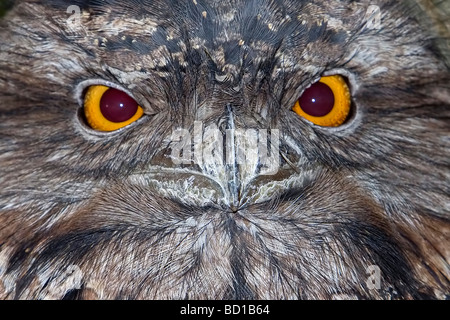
(232, 149)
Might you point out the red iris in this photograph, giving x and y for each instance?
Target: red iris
(317, 100)
(117, 106)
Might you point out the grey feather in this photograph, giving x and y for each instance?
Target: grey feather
(87, 214)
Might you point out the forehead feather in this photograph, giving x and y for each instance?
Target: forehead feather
(227, 32)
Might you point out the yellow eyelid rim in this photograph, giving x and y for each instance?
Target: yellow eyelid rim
(342, 102)
(94, 116)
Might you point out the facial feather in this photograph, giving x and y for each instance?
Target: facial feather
(85, 214)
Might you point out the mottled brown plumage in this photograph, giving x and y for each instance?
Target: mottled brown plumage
(85, 214)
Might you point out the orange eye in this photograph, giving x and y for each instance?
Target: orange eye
(326, 103)
(109, 109)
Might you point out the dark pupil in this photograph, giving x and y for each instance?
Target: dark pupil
(117, 106)
(317, 100)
